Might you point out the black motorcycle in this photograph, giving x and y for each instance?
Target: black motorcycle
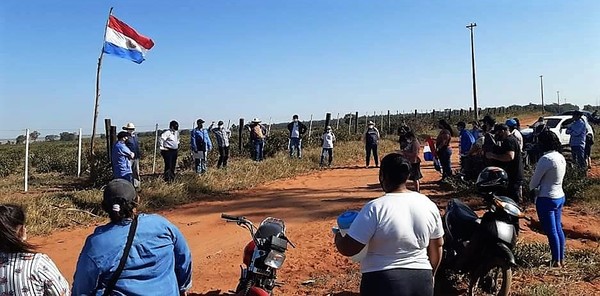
(482, 247)
(263, 255)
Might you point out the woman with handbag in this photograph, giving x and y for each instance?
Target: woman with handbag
(134, 253)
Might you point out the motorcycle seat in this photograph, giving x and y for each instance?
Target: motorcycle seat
(462, 221)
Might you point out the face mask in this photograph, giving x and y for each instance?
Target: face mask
(371, 126)
(295, 120)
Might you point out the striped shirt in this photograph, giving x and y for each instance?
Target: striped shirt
(30, 274)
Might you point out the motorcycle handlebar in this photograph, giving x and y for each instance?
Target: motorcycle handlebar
(230, 217)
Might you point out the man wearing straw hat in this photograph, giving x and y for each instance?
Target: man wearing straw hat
(257, 137)
(134, 145)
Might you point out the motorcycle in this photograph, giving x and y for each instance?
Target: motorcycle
(482, 247)
(263, 255)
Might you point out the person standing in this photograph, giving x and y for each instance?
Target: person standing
(121, 158)
(257, 136)
(443, 150)
(222, 134)
(328, 138)
(404, 233)
(133, 144)
(23, 271)
(514, 131)
(402, 131)
(169, 146)
(466, 139)
(411, 152)
(577, 131)
(297, 129)
(371, 140)
(589, 141)
(200, 144)
(158, 260)
(508, 157)
(548, 179)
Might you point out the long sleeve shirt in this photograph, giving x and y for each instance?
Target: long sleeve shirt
(169, 139)
(31, 274)
(577, 130)
(222, 135)
(198, 137)
(548, 175)
(466, 141)
(133, 144)
(159, 262)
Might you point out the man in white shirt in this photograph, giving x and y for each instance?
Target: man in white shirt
(514, 131)
(328, 139)
(169, 145)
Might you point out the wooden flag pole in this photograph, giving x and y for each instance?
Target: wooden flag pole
(98, 90)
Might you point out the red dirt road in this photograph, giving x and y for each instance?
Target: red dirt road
(309, 205)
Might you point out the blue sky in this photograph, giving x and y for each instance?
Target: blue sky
(222, 60)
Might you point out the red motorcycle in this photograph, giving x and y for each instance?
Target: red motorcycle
(263, 255)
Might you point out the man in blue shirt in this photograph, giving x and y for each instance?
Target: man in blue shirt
(159, 261)
(466, 138)
(134, 145)
(578, 131)
(121, 158)
(201, 144)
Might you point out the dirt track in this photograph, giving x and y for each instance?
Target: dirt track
(309, 205)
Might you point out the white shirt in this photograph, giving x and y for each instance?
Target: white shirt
(295, 130)
(328, 139)
(397, 227)
(519, 137)
(30, 274)
(169, 139)
(549, 173)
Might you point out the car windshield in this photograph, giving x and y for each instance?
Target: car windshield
(552, 122)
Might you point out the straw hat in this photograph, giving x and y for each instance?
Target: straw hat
(256, 120)
(129, 126)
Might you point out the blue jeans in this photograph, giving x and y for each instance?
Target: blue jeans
(444, 155)
(578, 153)
(296, 143)
(550, 213)
(259, 145)
(200, 162)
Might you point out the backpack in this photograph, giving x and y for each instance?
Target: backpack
(371, 137)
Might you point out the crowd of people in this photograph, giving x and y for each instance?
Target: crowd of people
(403, 228)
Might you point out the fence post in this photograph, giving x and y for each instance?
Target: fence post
(310, 127)
(107, 124)
(356, 123)
(327, 119)
(350, 123)
(389, 128)
(337, 126)
(26, 160)
(155, 146)
(113, 138)
(433, 114)
(240, 131)
(449, 114)
(416, 112)
(79, 155)
(381, 120)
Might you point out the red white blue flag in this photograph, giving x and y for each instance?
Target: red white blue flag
(125, 42)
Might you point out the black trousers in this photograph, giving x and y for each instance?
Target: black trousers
(397, 282)
(373, 148)
(170, 159)
(223, 156)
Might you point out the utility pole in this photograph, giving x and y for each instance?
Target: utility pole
(470, 27)
(542, 91)
(558, 99)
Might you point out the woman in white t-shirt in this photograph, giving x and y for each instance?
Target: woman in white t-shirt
(405, 236)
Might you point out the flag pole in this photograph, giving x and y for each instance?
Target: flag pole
(98, 90)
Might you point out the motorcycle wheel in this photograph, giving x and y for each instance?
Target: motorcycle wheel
(494, 280)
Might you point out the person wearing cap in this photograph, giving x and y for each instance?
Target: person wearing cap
(169, 146)
(466, 139)
(513, 128)
(258, 133)
(297, 129)
(508, 156)
(371, 141)
(577, 130)
(133, 144)
(404, 233)
(200, 145)
(121, 158)
(328, 138)
(222, 134)
(159, 260)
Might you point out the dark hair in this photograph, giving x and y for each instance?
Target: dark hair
(410, 135)
(394, 171)
(174, 125)
(125, 209)
(461, 124)
(295, 116)
(122, 135)
(446, 126)
(548, 141)
(11, 217)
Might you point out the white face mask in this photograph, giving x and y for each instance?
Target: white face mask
(371, 126)
(296, 120)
